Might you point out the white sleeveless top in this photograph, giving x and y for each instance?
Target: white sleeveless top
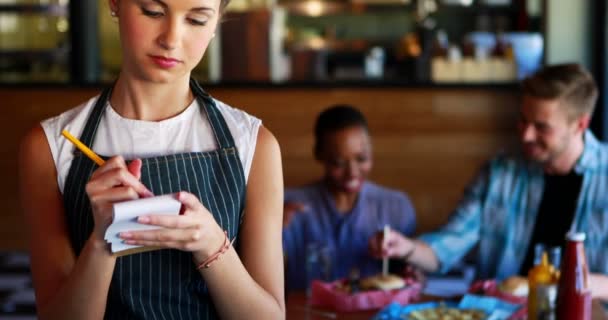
(189, 131)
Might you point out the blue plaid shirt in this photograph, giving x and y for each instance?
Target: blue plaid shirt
(499, 208)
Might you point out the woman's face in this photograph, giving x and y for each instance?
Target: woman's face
(346, 155)
(164, 39)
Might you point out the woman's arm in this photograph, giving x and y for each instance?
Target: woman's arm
(253, 285)
(66, 287)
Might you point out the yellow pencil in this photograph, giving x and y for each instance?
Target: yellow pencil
(88, 152)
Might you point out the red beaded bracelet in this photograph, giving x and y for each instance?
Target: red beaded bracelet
(216, 256)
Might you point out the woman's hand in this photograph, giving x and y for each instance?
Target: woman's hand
(395, 245)
(194, 230)
(114, 181)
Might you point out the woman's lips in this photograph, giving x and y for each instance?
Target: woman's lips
(165, 63)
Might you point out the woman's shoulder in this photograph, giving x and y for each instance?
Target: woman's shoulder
(66, 119)
(244, 129)
(72, 120)
(236, 116)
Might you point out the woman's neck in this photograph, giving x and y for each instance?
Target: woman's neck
(344, 202)
(136, 99)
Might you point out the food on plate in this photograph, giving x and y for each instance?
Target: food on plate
(382, 282)
(517, 286)
(445, 313)
(375, 282)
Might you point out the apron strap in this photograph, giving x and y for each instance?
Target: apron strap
(90, 129)
(216, 120)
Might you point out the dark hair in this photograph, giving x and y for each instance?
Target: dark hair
(336, 118)
(570, 83)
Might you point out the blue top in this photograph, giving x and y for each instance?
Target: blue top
(346, 234)
(499, 209)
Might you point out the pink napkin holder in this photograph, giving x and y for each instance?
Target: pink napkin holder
(490, 288)
(326, 295)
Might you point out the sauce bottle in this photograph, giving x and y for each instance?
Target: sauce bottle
(574, 295)
(542, 288)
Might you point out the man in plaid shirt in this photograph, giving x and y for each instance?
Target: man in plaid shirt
(557, 182)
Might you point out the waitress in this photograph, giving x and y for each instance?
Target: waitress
(162, 134)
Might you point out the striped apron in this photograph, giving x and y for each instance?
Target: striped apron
(163, 284)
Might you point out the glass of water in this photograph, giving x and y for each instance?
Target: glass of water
(319, 262)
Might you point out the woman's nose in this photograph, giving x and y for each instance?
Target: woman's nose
(169, 38)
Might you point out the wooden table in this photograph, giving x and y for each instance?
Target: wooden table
(298, 309)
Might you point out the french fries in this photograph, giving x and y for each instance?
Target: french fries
(445, 313)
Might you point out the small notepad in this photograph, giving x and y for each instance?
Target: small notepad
(125, 216)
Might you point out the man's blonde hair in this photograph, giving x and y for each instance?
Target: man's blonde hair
(570, 83)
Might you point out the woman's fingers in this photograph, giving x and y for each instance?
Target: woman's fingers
(182, 232)
(134, 167)
(117, 194)
(117, 177)
(116, 172)
(112, 163)
(170, 221)
(163, 235)
(189, 201)
(195, 230)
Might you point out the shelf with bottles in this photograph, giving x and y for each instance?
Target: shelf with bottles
(33, 27)
(34, 41)
(52, 9)
(482, 7)
(39, 54)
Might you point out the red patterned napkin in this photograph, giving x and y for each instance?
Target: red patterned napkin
(490, 288)
(329, 295)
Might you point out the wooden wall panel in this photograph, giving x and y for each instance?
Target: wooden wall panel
(427, 142)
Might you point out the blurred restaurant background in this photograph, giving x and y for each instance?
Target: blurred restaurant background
(437, 79)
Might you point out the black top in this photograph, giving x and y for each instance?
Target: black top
(555, 214)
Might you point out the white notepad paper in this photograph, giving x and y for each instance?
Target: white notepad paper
(125, 216)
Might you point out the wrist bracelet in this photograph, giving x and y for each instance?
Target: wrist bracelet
(217, 255)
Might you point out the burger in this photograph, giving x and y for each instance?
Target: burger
(516, 286)
(382, 282)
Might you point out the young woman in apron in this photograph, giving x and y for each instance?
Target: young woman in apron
(224, 166)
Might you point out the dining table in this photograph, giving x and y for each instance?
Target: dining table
(298, 308)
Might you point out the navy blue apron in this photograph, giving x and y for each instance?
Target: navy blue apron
(163, 284)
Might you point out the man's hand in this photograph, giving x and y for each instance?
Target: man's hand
(395, 245)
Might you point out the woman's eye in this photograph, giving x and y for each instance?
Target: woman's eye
(150, 13)
(197, 22)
